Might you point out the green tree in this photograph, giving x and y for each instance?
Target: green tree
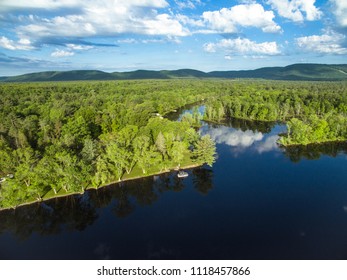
(205, 150)
(102, 174)
(160, 144)
(6, 160)
(177, 152)
(117, 156)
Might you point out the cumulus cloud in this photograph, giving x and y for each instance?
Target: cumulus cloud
(104, 23)
(22, 44)
(190, 21)
(296, 10)
(329, 43)
(62, 53)
(96, 18)
(162, 24)
(340, 11)
(243, 46)
(251, 15)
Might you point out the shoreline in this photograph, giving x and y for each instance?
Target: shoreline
(332, 141)
(88, 188)
(337, 141)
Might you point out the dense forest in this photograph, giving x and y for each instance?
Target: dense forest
(60, 138)
(314, 112)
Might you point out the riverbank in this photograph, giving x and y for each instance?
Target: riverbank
(284, 140)
(289, 145)
(135, 174)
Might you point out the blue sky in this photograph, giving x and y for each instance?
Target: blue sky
(125, 35)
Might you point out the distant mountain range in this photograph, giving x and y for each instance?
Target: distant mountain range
(297, 72)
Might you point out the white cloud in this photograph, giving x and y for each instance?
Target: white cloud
(127, 41)
(162, 24)
(294, 9)
(22, 44)
(329, 43)
(62, 53)
(340, 11)
(187, 4)
(54, 4)
(79, 47)
(247, 1)
(254, 57)
(38, 4)
(211, 47)
(190, 21)
(243, 46)
(149, 41)
(252, 15)
(98, 18)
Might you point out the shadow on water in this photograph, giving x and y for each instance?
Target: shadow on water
(64, 214)
(177, 114)
(314, 151)
(77, 212)
(255, 126)
(203, 180)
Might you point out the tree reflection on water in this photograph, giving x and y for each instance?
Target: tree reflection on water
(77, 212)
(314, 151)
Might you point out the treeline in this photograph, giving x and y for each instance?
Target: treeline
(314, 112)
(62, 137)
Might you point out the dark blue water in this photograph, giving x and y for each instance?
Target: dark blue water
(257, 202)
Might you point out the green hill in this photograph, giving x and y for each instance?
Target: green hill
(301, 72)
(298, 72)
(138, 74)
(75, 75)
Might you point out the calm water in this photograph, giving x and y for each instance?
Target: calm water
(257, 202)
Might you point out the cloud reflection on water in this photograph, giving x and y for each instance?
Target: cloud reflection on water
(243, 140)
(270, 144)
(235, 138)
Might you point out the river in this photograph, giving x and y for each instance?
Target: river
(258, 201)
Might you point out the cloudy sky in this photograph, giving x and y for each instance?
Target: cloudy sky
(124, 35)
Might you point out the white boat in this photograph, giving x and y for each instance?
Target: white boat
(182, 174)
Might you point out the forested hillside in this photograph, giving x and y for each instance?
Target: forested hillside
(296, 72)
